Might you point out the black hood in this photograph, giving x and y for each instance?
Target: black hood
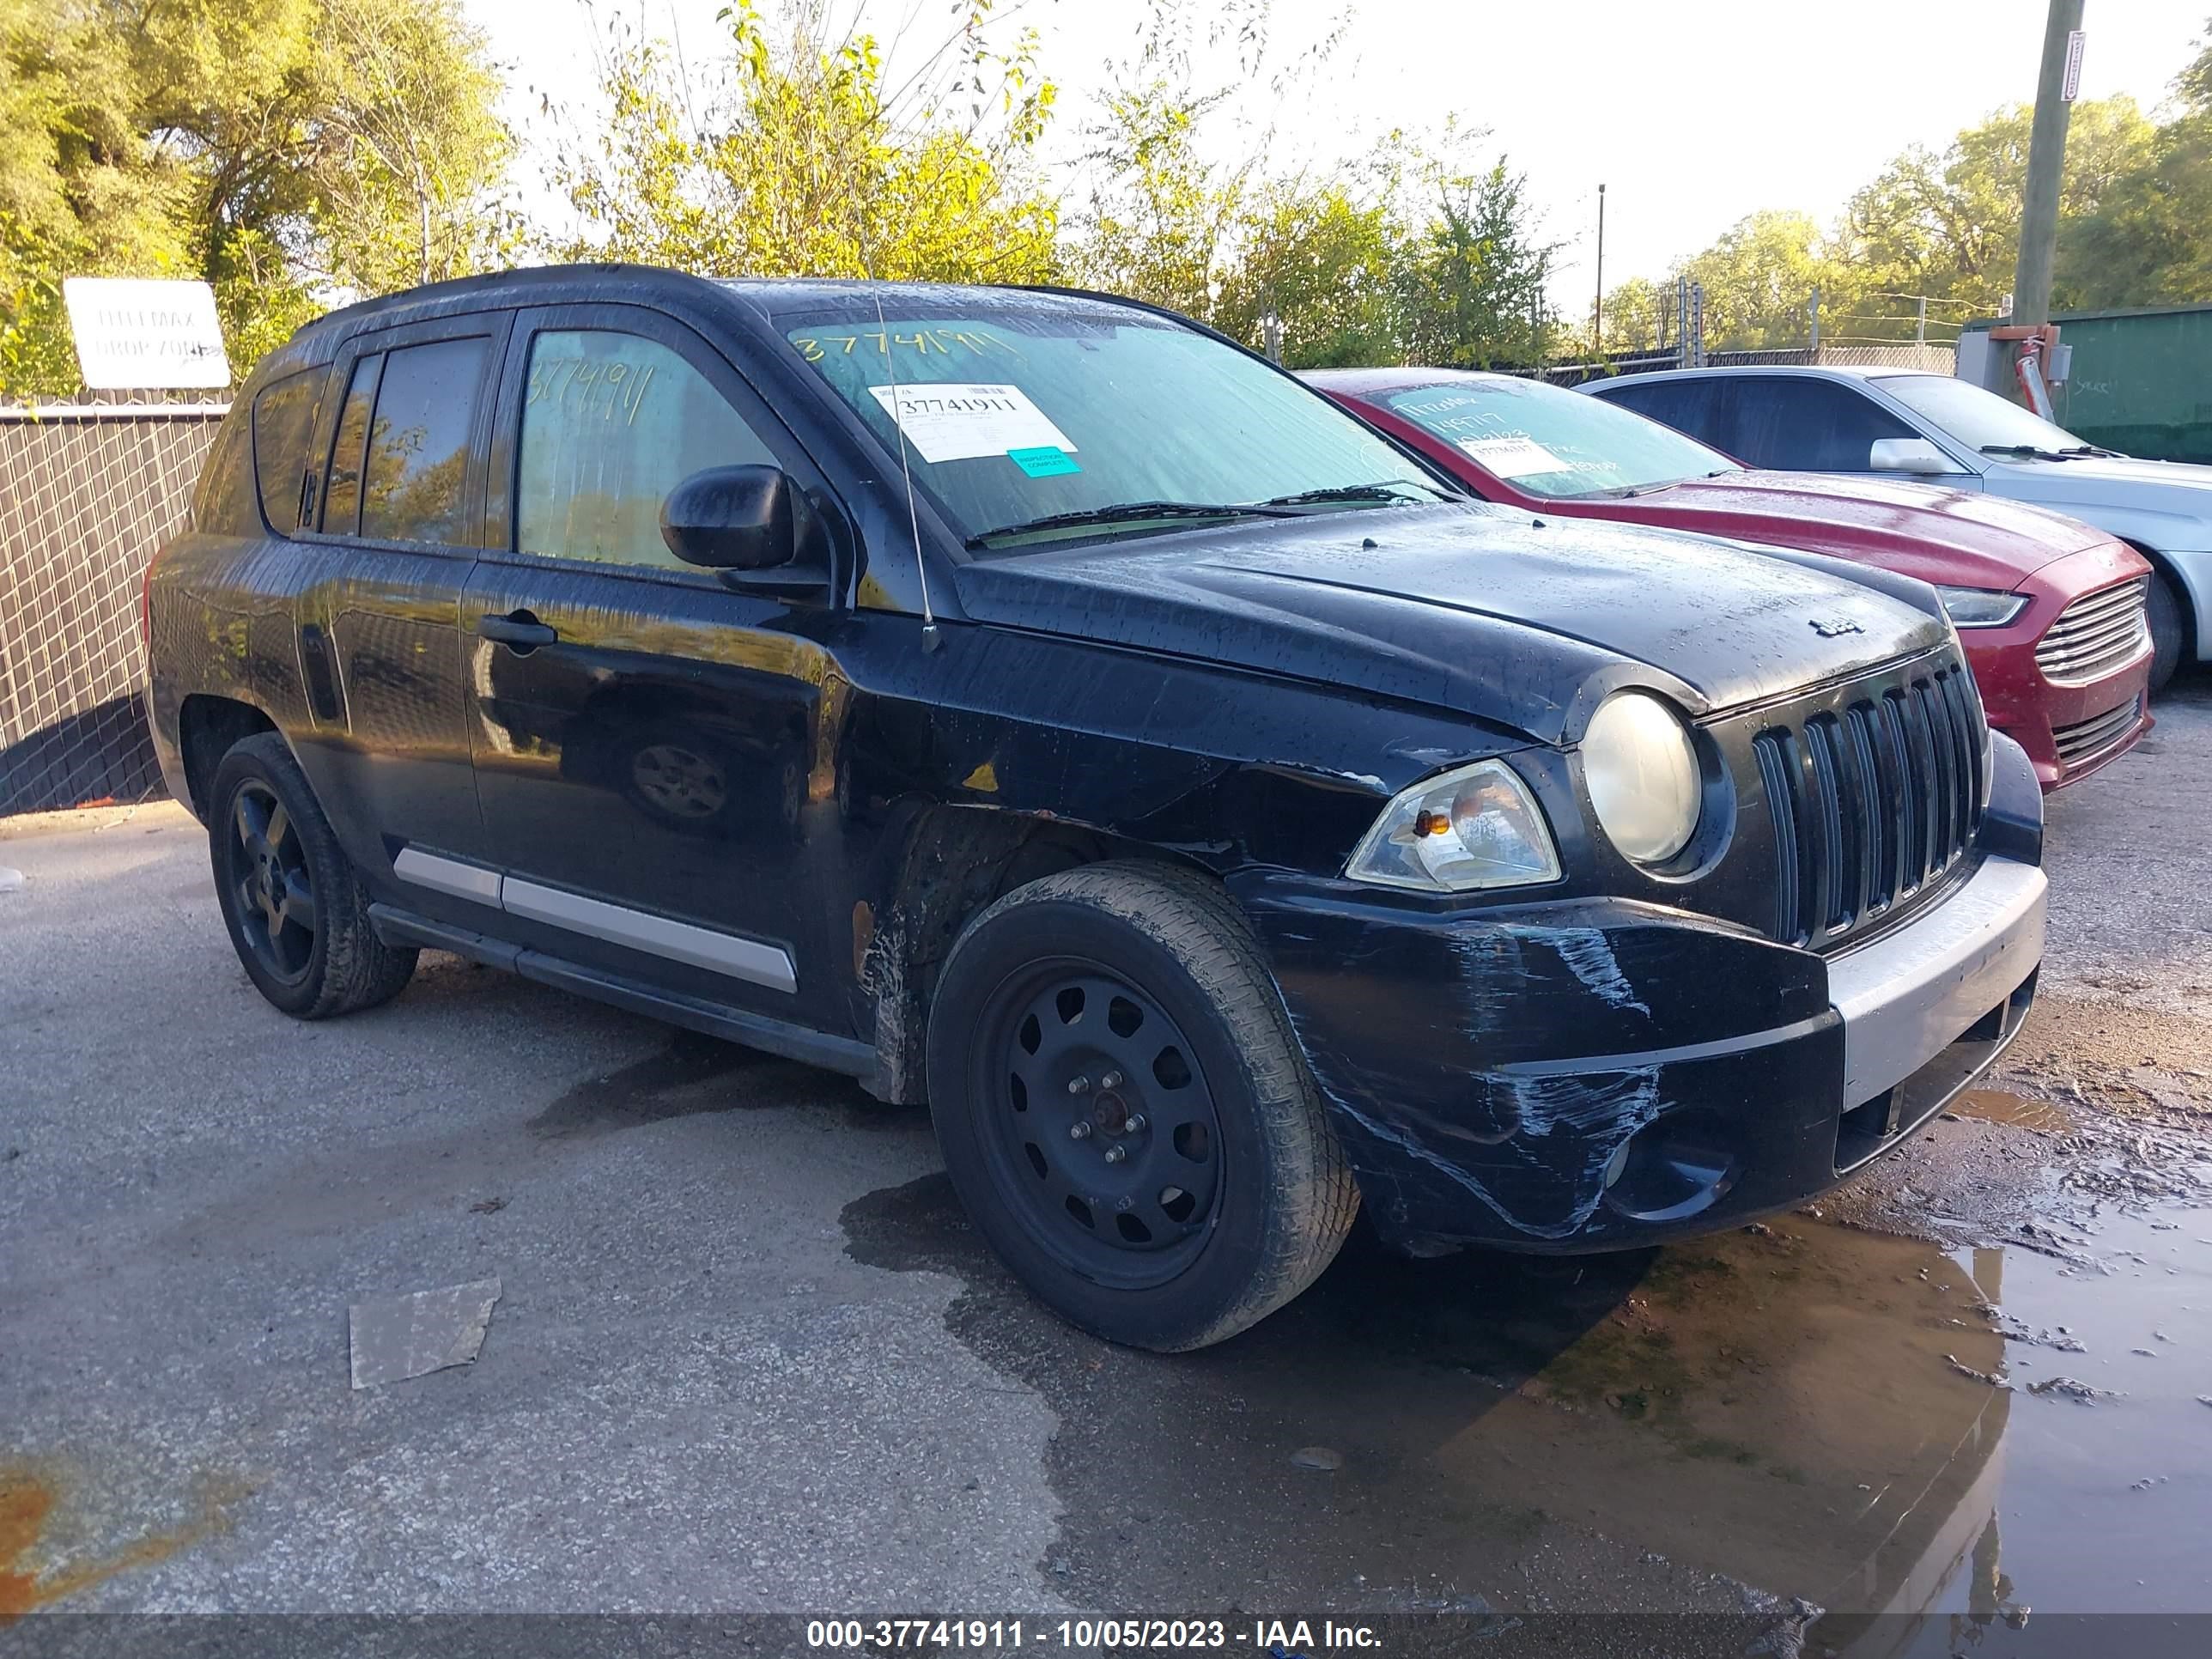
(1525, 624)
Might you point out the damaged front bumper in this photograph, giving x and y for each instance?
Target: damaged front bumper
(1600, 1074)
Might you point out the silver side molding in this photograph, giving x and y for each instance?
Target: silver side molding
(445, 875)
(748, 959)
(678, 941)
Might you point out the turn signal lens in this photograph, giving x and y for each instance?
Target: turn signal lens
(1473, 828)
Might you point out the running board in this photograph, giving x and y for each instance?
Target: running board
(854, 1059)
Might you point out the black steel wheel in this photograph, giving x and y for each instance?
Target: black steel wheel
(295, 906)
(1101, 1112)
(1125, 1112)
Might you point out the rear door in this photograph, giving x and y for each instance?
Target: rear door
(390, 511)
(1691, 405)
(650, 742)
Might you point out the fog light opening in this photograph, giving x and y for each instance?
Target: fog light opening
(1670, 1171)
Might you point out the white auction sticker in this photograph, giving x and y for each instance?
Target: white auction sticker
(960, 420)
(1513, 458)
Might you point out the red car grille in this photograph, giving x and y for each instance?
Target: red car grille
(2096, 633)
(2084, 740)
(1872, 805)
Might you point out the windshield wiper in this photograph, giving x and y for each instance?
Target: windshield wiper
(1390, 490)
(1134, 512)
(2036, 452)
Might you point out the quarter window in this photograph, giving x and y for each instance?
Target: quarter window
(611, 423)
(284, 422)
(418, 444)
(1687, 405)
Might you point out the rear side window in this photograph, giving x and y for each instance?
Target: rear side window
(284, 424)
(418, 443)
(1686, 405)
(222, 504)
(611, 422)
(1806, 426)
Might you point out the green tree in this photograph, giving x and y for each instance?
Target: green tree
(288, 152)
(1471, 279)
(1163, 214)
(1948, 224)
(1325, 265)
(1758, 279)
(1635, 312)
(2148, 238)
(810, 165)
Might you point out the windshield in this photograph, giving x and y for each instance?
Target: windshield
(1557, 444)
(1041, 412)
(1977, 418)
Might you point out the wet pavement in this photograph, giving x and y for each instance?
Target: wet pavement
(749, 1357)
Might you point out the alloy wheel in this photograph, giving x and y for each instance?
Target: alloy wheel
(270, 886)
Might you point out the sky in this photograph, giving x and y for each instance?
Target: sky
(1692, 113)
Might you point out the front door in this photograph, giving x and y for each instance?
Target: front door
(651, 746)
(391, 514)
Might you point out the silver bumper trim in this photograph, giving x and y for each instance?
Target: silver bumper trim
(1907, 996)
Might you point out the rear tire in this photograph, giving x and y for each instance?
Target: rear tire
(1126, 1008)
(2162, 614)
(297, 912)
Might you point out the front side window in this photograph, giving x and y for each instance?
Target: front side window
(284, 424)
(1041, 411)
(1979, 418)
(1807, 426)
(418, 443)
(1553, 443)
(611, 423)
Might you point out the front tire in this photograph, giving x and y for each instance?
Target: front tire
(2162, 615)
(1124, 1109)
(297, 912)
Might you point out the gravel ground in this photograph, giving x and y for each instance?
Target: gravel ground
(747, 1356)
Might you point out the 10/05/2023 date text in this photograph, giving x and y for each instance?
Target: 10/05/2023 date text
(1110, 1635)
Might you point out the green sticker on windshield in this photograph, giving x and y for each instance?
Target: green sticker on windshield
(1045, 462)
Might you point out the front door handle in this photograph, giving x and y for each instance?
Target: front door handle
(517, 629)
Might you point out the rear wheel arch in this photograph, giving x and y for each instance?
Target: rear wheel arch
(208, 729)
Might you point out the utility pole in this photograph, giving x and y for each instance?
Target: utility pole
(1920, 322)
(2046, 161)
(1597, 311)
(1816, 322)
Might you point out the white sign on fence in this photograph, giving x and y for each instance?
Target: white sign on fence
(135, 334)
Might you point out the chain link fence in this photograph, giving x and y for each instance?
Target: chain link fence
(87, 492)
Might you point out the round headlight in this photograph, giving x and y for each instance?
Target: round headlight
(1642, 776)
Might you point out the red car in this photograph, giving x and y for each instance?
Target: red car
(2050, 610)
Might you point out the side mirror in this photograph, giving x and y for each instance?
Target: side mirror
(1914, 455)
(742, 518)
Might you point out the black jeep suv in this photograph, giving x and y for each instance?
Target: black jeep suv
(1034, 704)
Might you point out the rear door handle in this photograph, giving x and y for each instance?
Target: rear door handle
(518, 630)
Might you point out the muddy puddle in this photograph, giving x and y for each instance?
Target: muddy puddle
(1936, 1445)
